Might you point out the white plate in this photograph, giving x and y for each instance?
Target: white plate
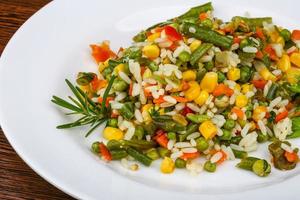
(53, 45)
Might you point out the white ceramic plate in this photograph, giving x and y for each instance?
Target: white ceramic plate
(53, 45)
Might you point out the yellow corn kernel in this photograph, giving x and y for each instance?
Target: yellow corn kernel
(209, 81)
(247, 88)
(280, 40)
(234, 74)
(201, 99)
(111, 133)
(274, 36)
(267, 75)
(166, 60)
(153, 36)
(292, 75)
(241, 101)
(167, 165)
(145, 113)
(284, 63)
(180, 119)
(295, 59)
(194, 45)
(119, 68)
(147, 107)
(147, 73)
(193, 91)
(207, 129)
(253, 126)
(151, 51)
(258, 112)
(189, 75)
(237, 87)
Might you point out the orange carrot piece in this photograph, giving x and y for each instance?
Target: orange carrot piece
(260, 84)
(108, 99)
(180, 99)
(281, 116)
(202, 16)
(259, 33)
(161, 138)
(187, 156)
(295, 35)
(104, 152)
(238, 112)
(270, 51)
(236, 40)
(102, 52)
(159, 100)
(223, 158)
(291, 157)
(259, 55)
(222, 89)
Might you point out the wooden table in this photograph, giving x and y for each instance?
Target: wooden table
(17, 180)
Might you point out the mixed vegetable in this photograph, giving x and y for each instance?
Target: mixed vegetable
(194, 86)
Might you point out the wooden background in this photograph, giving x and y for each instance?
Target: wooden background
(17, 180)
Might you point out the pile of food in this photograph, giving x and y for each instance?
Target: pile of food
(195, 87)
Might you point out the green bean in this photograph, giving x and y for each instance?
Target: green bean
(207, 35)
(200, 74)
(149, 128)
(180, 163)
(138, 144)
(163, 152)
(197, 118)
(239, 154)
(132, 53)
(95, 147)
(221, 77)
(199, 52)
(191, 128)
(140, 37)
(226, 135)
(167, 124)
(272, 91)
(113, 122)
(229, 124)
(85, 78)
(137, 155)
(266, 60)
(195, 11)
(113, 145)
(153, 154)
(202, 144)
(247, 163)
(261, 168)
(113, 63)
(118, 154)
(245, 73)
(252, 22)
(139, 132)
(119, 85)
(184, 56)
(286, 34)
(171, 136)
(127, 110)
(209, 166)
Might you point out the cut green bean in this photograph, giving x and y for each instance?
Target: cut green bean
(195, 11)
(191, 128)
(239, 154)
(153, 154)
(272, 91)
(259, 166)
(199, 52)
(252, 22)
(197, 118)
(113, 145)
(139, 144)
(207, 35)
(137, 155)
(118, 154)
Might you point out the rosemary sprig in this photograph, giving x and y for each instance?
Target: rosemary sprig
(91, 113)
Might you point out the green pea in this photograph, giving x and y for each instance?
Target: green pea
(153, 154)
(226, 135)
(95, 147)
(119, 85)
(209, 166)
(221, 77)
(180, 163)
(244, 43)
(139, 132)
(229, 124)
(202, 144)
(153, 66)
(286, 34)
(209, 65)
(261, 138)
(184, 56)
(171, 135)
(163, 152)
(207, 23)
(245, 74)
(113, 122)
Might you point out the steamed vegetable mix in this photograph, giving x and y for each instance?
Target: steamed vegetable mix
(193, 87)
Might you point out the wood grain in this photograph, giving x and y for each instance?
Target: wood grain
(17, 180)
